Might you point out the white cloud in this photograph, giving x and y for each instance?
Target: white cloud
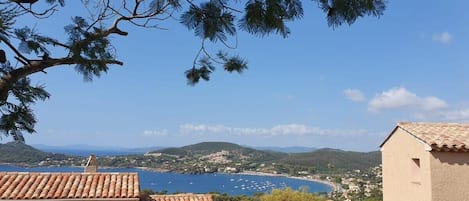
(278, 130)
(457, 115)
(448, 115)
(444, 37)
(354, 95)
(401, 98)
(155, 133)
(432, 103)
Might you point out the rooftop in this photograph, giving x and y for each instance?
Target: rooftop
(35, 185)
(183, 197)
(439, 136)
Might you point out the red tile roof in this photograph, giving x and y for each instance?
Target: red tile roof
(439, 136)
(35, 185)
(183, 197)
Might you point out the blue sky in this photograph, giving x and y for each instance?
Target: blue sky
(342, 88)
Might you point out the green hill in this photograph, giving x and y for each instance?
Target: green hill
(172, 151)
(15, 152)
(321, 159)
(236, 151)
(325, 159)
(211, 147)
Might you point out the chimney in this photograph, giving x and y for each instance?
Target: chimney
(92, 165)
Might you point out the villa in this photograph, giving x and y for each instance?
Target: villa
(426, 162)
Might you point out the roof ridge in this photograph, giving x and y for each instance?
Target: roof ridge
(432, 123)
(441, 136)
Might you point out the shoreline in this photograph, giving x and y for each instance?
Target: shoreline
(328, 183)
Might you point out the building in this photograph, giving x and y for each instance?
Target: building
(183, 197)
(92, 164)
(426, 162)
(73, 186)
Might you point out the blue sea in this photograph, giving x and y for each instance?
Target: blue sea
(231, 184)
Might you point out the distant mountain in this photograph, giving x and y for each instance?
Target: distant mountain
(86, 150)
(15, 152)
(293, 149)
(324, 159)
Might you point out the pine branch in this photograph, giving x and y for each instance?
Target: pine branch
(20, 56)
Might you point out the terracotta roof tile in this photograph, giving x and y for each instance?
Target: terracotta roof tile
(30, 185)
(183, 197)
(440, 136)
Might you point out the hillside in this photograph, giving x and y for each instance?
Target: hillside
(211, 147)
(15, 152)
(236, 152)
(321, 159)
(85, 150)
(172, 151)
(324, 159)
(200, 148)
(206, 154)
(292, 149)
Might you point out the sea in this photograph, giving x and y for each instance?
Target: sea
(231, 184)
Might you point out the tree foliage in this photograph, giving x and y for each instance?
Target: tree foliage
(290, 195)
(88, 48)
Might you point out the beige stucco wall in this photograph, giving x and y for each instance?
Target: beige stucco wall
(450, 176)
(402, 182)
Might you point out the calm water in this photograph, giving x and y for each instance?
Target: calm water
(232, 184)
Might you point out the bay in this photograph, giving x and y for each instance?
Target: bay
(231, 184)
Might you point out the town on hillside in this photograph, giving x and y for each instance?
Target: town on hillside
(354, 177)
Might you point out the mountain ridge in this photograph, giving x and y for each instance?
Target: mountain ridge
(325, 159)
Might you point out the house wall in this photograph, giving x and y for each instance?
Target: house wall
(403, 180)
(450, 176)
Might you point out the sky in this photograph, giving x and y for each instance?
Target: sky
(344, 88)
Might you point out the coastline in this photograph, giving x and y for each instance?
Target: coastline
(253, 173)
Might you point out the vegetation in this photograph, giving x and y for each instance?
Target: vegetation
(225, 197)
(237, 151)
(290, 195)
(145, 195)
(321, 160)
(172, 151)
(286, 194)
(333, 159)
(87, 47)
(22, 154)
(207, 147)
